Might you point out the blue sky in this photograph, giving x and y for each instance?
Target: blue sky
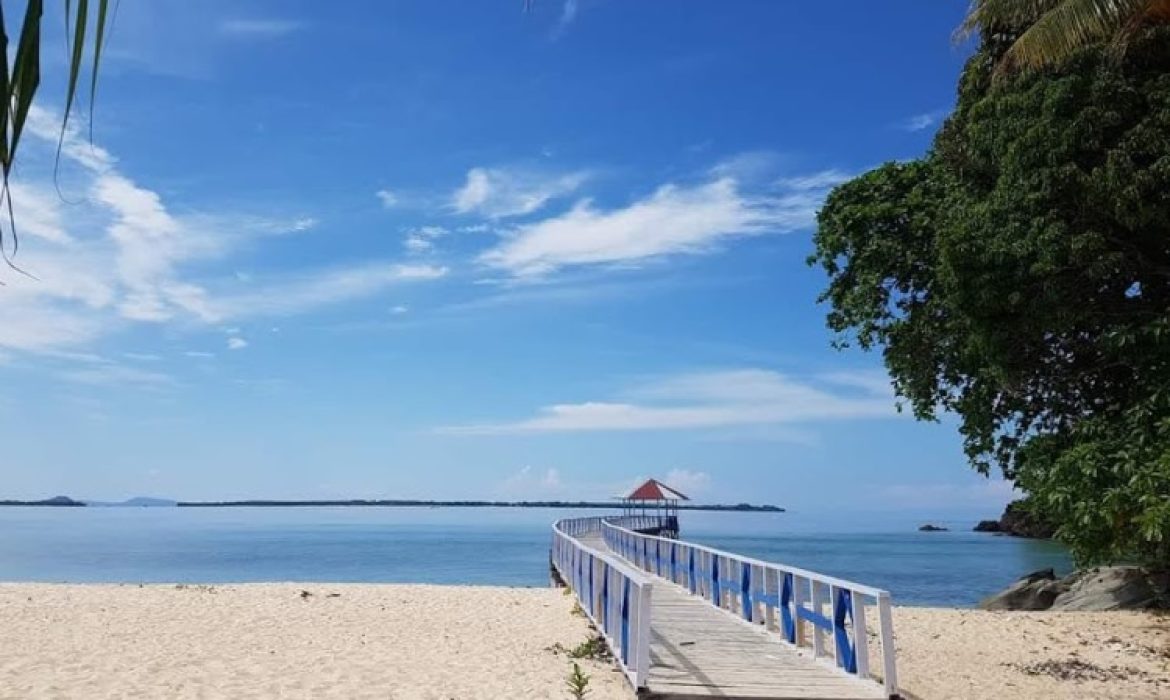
(450, 249)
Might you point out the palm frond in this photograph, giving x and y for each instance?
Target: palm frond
(20, 80)
(1068, 27)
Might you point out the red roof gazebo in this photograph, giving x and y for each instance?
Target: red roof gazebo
(653, 496)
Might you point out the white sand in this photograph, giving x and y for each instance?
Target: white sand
(265, 641)
(977, 655)
(389, 641)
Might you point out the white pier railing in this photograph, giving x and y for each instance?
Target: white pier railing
(783, 599)
(614, 595)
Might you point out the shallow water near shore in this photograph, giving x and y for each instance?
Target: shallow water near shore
(480, 546)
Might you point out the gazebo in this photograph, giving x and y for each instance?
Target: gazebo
(654, 499)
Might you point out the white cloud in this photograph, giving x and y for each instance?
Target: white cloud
(388, 199)
(568, 14)
(920, 122)
(399, 309)
(259, 28)
(706, 400)
(141, 356)
(674, 219)
(296, 294)
(236, 343)
(199, 354)
(422, 239)
(816, 181)
(531, 483)
(114, 374)
(120, 255)
(498, 193)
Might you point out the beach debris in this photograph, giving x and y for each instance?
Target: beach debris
(332, 595)
(305, 595)
(1077, 670)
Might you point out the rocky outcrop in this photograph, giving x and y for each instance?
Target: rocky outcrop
(1018, 520)
(931, 528)
(1113, 588)
(1096, 589)
(1036, 591)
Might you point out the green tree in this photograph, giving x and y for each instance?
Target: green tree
(1018, 276)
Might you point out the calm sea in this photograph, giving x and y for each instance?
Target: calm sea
(477, 546)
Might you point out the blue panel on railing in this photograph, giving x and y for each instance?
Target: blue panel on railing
(745, 591)
(768, 599)
(846, 649)
(592, 571)
(625, 645)
(716, 596)
(786, 593)
(814, 617)
(674, 562)
(694, 582)
(604, 596)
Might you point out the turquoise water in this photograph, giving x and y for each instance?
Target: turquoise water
(478, 546)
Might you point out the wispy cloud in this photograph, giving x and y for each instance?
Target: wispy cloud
(422, 239)
(707, 400)
(920, 122)
(259, 27)
(674, 219)
(122, 256)
(300, 293)
(504, 192)
(568, 15)
(236, 343)
(110, 374)
(387, 197)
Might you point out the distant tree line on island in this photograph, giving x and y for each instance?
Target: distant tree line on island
(406, 503)
(741, 507)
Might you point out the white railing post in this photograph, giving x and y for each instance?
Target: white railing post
(860, 635)
(642, 665)
(886, 623)
(818, 607)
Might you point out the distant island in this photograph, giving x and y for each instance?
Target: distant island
(136, 502)
(54, 501)
(738, 507)
(143, 502)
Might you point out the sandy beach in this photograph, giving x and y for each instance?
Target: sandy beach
(267, 641)
(947, 654)
(457, 642)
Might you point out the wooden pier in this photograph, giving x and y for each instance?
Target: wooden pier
(694, 622)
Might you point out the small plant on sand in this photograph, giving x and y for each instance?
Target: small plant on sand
(578, 610)
(578, 683)
(592, 648)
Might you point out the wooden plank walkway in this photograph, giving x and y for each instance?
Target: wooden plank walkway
(699, 651)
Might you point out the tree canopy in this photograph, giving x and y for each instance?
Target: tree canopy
(1018, 275)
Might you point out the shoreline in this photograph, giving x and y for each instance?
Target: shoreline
(260, 640)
